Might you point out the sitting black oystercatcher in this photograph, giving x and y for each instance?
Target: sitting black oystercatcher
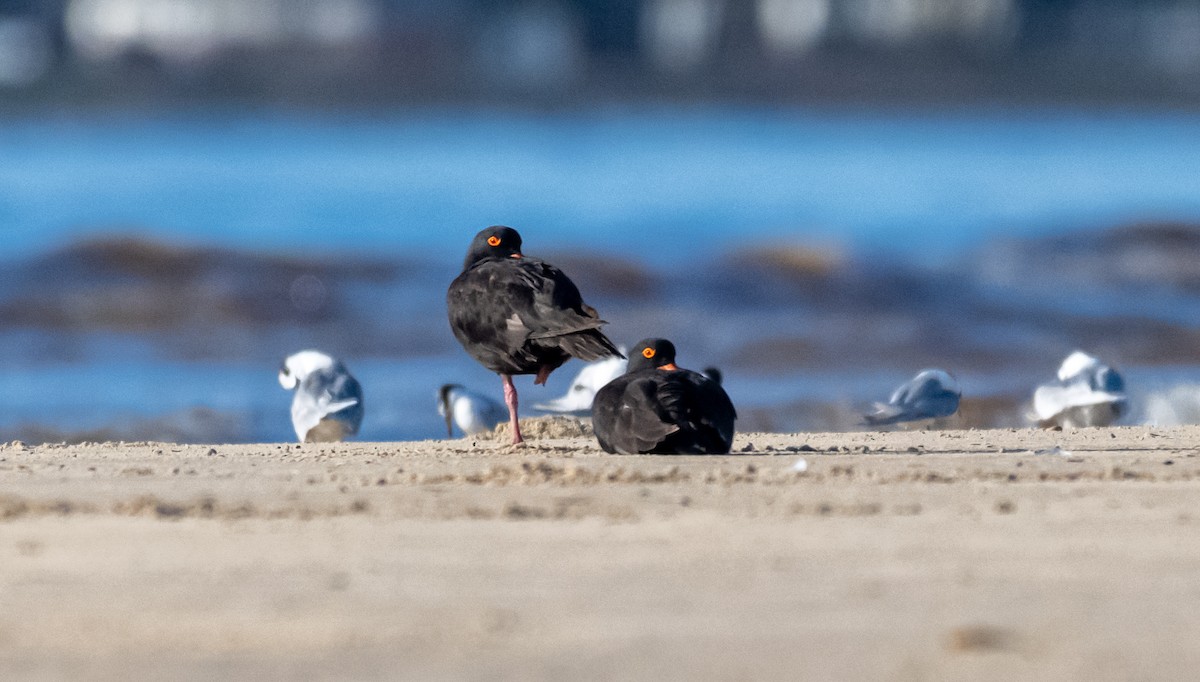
(656, 407)
(520, 315)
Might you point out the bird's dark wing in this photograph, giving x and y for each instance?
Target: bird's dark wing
(627, 416)
(669, 412)
(555, 308)
(508, 313)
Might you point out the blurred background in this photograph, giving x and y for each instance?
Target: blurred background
(821, 197)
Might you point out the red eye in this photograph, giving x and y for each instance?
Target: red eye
(493, 241)
(648, 353)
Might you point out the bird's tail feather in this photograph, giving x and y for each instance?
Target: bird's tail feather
(589, 345)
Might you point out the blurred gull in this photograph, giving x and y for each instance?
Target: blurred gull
(1087, 393)
(593, 377)
(932, 394)
(328, 405)
(472, 412)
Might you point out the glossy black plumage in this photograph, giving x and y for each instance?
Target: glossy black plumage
(656, 407)
(520, 315)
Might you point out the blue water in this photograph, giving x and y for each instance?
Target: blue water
(663, 186)
(399, 395)
(697, 179)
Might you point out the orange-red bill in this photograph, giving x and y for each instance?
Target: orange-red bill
(669, 368)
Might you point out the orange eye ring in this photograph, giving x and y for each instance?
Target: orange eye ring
(648, 353)
(493, 241)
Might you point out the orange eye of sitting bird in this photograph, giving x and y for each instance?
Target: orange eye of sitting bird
(493, 241)
(648, 353)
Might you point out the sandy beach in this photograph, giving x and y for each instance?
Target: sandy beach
(1011, 554)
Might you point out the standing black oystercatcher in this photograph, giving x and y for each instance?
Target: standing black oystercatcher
(520, 315)
(656, 407)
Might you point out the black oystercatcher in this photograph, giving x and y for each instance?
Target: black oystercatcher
(520, 315)
(656, 407)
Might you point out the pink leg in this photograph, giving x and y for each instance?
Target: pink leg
(510, 398)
